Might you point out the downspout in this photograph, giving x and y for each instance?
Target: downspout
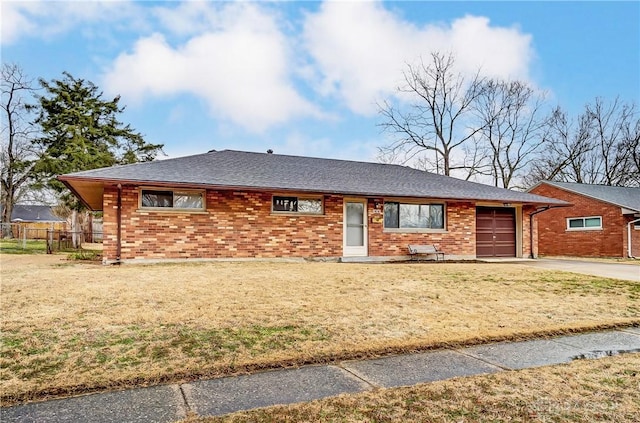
(545, 208)
(119, 230)
(629, 238)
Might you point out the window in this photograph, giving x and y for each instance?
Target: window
(305, 205)
(152, 198)
(409, 216)
(584, 223)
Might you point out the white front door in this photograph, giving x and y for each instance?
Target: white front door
(355, 228)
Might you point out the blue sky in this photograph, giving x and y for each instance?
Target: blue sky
(304, 78)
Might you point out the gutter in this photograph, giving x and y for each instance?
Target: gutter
(119, 223)
(629, 239)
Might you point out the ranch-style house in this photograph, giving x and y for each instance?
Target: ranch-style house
(233, 204)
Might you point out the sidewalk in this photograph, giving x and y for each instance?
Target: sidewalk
(171, 403)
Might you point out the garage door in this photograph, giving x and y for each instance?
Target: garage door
(495, 232)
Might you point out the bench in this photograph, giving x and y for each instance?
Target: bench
(426, 250)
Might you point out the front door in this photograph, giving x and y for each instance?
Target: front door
(495, 232)
(355, 228)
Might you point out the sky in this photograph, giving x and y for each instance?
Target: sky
(305, 78)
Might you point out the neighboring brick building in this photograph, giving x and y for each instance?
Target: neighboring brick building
(598, 224)
(232, 204)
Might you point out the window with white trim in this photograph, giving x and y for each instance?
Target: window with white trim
(294, 204)
(584, 223)
(413, 216)
(171, 199)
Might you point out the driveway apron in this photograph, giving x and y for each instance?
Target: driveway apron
(630, 272)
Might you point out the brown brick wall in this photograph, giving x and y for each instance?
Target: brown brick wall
(459, 239)
(235, 224)
(526, 232)
(635, 238)
(238, 224)
(554, 239)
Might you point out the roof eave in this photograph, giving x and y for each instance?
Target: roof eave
(593, 197)
(78, 195)
(71, 181)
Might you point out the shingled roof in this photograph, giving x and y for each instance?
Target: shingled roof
(229, 169)
(33, 213)
(627, 197)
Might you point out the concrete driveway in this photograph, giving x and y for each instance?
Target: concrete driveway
(630, 272)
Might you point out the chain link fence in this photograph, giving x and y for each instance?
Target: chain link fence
(53, 240)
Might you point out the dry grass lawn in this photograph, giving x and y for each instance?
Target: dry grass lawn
(604, 390)
(70, 327)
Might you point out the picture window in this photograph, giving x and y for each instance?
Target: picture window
(412, 216)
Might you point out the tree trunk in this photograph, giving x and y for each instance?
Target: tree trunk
(88, 219)
(7, 210)
(75, 229)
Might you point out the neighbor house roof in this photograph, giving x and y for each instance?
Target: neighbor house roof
(230, 169)
(626, 197)
(29, 213)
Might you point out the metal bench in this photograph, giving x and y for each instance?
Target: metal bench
(425, 250)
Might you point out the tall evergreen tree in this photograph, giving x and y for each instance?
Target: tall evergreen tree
(81, 131)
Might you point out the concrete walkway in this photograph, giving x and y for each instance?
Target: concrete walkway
(226, 395)
(630, 272)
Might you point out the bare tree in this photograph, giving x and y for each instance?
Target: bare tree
(631, 142)
(435, 124)
(16, 148)
(566, 142)
(511, 122)
(612, 162)
(600, 147)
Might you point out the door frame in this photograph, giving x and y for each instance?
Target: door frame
(359, 251)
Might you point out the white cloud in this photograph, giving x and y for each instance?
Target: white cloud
(14, 22)
(190, 17)
(298, 144)
(238, 60)
(45, 19)
(241, 68)
(498, 52)
(361, 49)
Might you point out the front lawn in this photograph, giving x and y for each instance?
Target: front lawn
(70, 327)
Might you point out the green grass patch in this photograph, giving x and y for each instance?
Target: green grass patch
(38, 354)
(85, 255)
(18, 246)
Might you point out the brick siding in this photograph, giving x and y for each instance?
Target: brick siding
(459, 238)
(526, 232)
(235, 224)
(635, 237)
(555, 240)
(240, 224)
